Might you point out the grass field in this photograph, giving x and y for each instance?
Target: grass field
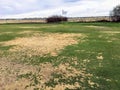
(64, 56)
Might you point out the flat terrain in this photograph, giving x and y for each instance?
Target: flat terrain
(64, 56)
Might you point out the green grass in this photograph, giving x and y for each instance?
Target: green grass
(106, 72)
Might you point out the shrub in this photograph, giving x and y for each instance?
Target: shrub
(55, 19)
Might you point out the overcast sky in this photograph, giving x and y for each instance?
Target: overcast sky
(45, 8)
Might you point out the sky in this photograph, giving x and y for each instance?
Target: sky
(46, 8)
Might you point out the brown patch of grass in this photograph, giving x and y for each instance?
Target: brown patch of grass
(41, 44)
(9, 72)
(67, 72)
(37, 76)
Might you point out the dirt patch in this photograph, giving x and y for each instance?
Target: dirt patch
(41, 44)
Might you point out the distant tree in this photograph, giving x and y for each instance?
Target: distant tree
(115, 14)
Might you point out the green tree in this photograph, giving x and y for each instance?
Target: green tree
(115, 14)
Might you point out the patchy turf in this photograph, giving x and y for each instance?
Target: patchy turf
(42, 43)
(66, 56)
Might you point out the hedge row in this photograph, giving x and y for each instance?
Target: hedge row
(55, 19)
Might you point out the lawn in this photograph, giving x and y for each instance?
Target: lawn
(63, 56)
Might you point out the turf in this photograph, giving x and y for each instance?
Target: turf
(102, 40)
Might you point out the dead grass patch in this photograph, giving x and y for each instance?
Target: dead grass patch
(9, 72)
(68, 72)
(41, 44)
(37, 44)
(43, 73)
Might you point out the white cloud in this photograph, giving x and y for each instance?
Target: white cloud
(45, 8)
